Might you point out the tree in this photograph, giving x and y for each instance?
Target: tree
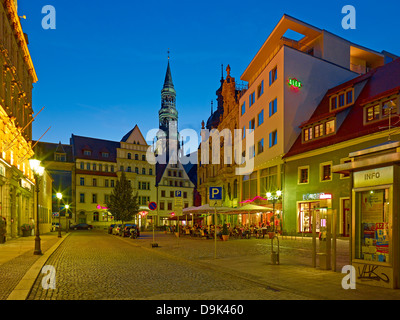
(122, 204)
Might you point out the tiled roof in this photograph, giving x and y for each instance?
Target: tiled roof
(96, 146)
(380, 82)
(45, 151)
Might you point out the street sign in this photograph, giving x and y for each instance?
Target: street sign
(178, 198)
(215, 193)
(215, 196)
(178, 194)
(152, 206)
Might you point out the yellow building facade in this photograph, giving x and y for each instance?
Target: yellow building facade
(17, 76)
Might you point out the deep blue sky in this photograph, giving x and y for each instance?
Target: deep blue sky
(102, 70)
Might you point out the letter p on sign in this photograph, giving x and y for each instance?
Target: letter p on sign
(215, 193)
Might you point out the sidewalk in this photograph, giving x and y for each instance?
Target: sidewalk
(251, 259)
(19, 267)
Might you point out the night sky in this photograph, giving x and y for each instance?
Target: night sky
(102, 69)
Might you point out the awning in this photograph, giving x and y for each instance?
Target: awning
(248, 208)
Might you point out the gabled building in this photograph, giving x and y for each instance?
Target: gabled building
(352, 116)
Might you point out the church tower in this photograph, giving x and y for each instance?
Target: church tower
(168, 138)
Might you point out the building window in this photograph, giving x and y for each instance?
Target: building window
(273, 107)
(243, 108)
(94, 182)
(252, 152)
(273, 75)
(62, 157)
(129, 156)
(260, 89)
(170, 206)
(252, 98)
(82, 181)
(105, 154)
(143, 170)
(143, 157)
(319, 130)
(185, 195)
(82, 165)
(303, 174)
(341, 100)
(261, 117)
(334, 103)
(88, 166)
(82, 198)
(162, 206)
(171, 194)
(326, 171)
(330, 127)
(244, 132)
(87, 152)
(308, 134)
(136, 156)
(349, 97)
(260, 146)
(129, 169)
(273, 138)
(95, 216)
(94, 198)
(112, 183)
(106, 184)
(252, 125)
(137, 170)
(163, 193)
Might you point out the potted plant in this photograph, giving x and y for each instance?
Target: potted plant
(26, 230)
(225, 232)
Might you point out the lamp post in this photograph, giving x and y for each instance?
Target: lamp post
(59, 197)
(66, 218)
(38, 171)
(274, 197)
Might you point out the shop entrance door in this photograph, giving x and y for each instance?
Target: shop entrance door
(346, 217)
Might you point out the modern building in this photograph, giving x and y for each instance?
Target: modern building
(287, 79)
(17, 76)
(355, 115)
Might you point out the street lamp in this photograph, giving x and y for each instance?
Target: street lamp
(66, 217)
(38, 171)
(59, 197)
(274, 197)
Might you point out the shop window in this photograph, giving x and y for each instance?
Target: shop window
(372, 238)
(306, 211)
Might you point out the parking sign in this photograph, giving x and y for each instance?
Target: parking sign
(215, 193)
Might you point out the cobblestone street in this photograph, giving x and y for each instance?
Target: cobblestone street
(95, 266)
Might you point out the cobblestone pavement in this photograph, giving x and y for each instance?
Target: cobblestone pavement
(13, 270)
(95, 266)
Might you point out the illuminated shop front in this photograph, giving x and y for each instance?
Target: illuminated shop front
(315, 203)
(374, 249)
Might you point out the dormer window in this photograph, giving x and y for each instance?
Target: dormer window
(105, 154)
(60, 157)
(342, 99)
(379, 110)
(319, 130)
(87, 152)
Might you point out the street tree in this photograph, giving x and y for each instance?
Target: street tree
(122, 203)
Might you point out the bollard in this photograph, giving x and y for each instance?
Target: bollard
(274, 255)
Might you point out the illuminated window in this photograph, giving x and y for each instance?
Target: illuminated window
(330, 127)
(325, 172)
(308, 134)
(373, 112)
(318, 130)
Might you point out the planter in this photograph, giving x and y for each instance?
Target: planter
(225, 237)
(26, 233)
